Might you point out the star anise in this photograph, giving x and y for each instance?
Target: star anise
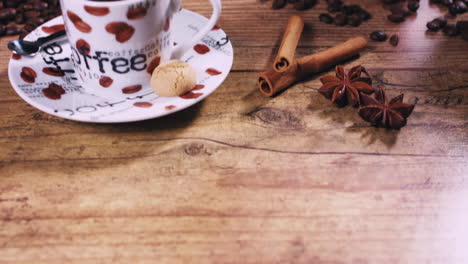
(383, 113)
(344, 88)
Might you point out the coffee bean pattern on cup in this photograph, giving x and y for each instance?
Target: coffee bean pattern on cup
(201, 49)
(97, 11)
(106, 81)
(28, 75)
(19, 17)
(136, 13)
(53, 91)
(78, 22)
(53, 29)
(83, 47)
(122, 31)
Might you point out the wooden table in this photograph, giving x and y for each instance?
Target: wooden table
(242, 178)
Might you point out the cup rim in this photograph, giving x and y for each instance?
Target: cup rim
(110, 3)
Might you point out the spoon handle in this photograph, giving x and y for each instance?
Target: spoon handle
(56, 35)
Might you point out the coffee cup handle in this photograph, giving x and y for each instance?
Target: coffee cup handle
(181, 48)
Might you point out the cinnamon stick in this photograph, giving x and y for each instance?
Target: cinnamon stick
(271, 82)
(287, 50)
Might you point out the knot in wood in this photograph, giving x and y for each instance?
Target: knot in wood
(194, 149)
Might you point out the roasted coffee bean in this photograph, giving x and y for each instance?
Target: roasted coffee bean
(26, 7)
(277, 4)
(12, 30)
(11, 3)
(334, 8)
(354, 20)
(436, 24)
(14, 13)
(326, 18)
(433, 26)
(394, 40)
(442, 21)
(396, 18)
(341, 20)
(458, 7)
(36, 20)
(19, 19)
(7, 13)
(364, 15)
(30, 14)
(462, 6)
(378, 36)
(40, 5)
(451, 30)
(413, 6)
(447, 2)
(347, 10)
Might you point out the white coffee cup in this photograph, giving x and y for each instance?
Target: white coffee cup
(117, 44)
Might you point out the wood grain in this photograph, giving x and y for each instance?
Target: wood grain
(241, 178)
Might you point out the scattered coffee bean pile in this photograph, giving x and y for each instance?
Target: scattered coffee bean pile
(378, 36)
(398, 11)
(382, 36)
(452, 30)
(298, 4)
(19, 17)
(352, 15)
(455, 7)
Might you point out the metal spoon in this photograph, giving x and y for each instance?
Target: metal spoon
(30, 48)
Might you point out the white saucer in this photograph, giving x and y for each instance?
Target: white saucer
(75, 104)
